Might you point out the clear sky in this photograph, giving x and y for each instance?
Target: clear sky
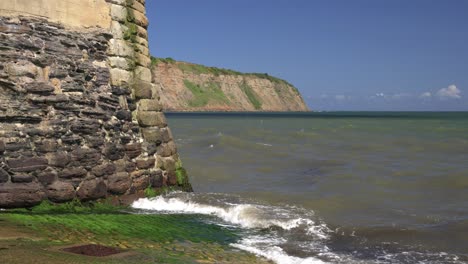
(340, 54)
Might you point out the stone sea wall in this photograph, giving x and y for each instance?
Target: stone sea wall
(79, 117)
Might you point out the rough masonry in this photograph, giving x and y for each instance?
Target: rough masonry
(79, 117)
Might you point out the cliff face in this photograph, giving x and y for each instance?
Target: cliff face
(191, 87)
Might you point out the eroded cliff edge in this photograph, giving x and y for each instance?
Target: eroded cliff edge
(192, 87)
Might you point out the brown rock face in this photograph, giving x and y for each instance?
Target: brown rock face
(190, 87)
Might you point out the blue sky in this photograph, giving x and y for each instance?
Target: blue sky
(341, 55)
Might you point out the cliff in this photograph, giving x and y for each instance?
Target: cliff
(192, 87)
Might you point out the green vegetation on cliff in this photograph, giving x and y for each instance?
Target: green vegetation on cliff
(202, 69)
(205, 93)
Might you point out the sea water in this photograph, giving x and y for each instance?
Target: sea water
(335, 187)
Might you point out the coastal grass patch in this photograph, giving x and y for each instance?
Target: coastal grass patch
(249, 92)
(206, 93)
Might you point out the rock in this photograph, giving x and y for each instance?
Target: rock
(167, 149)
(150, 118)
(149, 105)
(39, 88)
(46, 145)
(123, 165)
(119, 183)
(85, 157)
(21, 178)
(124, 115)
(156, 178)
(133, 150)
(120, 77)
(2, 147)
(168, 164)
(171, 178)
(114, 152)
(4, 176)
(140, 181)
(145, 163)
(143, 90)
(91, 190)
(14, 195)
(27, 164)
(68, 173)
(85, 126)
(47, 176)
(60, 192)
(104, 169)
(58, 159)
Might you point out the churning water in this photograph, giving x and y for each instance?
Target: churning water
(329, 187)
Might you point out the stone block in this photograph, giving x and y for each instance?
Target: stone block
(39, 88)
(143, 74)
(14, 195)
(121, 48)
(47, 176)
(104, 169)
(133, 150)
(69, 173)
(139, 7)
(142, 60)
(2, 146)
(46, 145)
(167, 149)
(139, 18)
(151, 118)
(4, 176)
(120, 62)
(142, 90)
(168, 164)
(120, 77)
(91, 190)
(149, 105)
(119, 183)
(60, 192)
(58, 159)
(156, 179)
(117, 29)
(27, 164)
(145, 163)
(21, 178)
(114, 152)
(119, 13)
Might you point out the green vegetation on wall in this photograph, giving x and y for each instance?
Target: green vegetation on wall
(205, 93)
(249, 92)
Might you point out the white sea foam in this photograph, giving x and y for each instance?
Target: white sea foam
(249, 216)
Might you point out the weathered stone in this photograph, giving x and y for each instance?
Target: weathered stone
(58, 159)
(114, 152)
(22, 68)
(4, 176)
(119, 183)
(124, 165)
(124, 115)
(27, 164)
(139, 18)
(151, 118)
(119, 62)
(149, 105)
(21, 178)
(2, 147)
(14, 195)
(52, 99)
(18, 145)
(86, 157)
(119, 13)
(91, 190)
(60, 192)
(117, 90)
(133, 150)
(104, 169)
(46, 145)
(68, 173)
(145, 163)
(47, 176)
(143, 74)
(168, 164)
(120, 77)
(167, 149)
(171, 178)
(39, 88)
(85, 126)
(156, 179)
(140, 181)
(143, 90)
(120, 48)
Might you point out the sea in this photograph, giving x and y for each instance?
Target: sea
(328, 187)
